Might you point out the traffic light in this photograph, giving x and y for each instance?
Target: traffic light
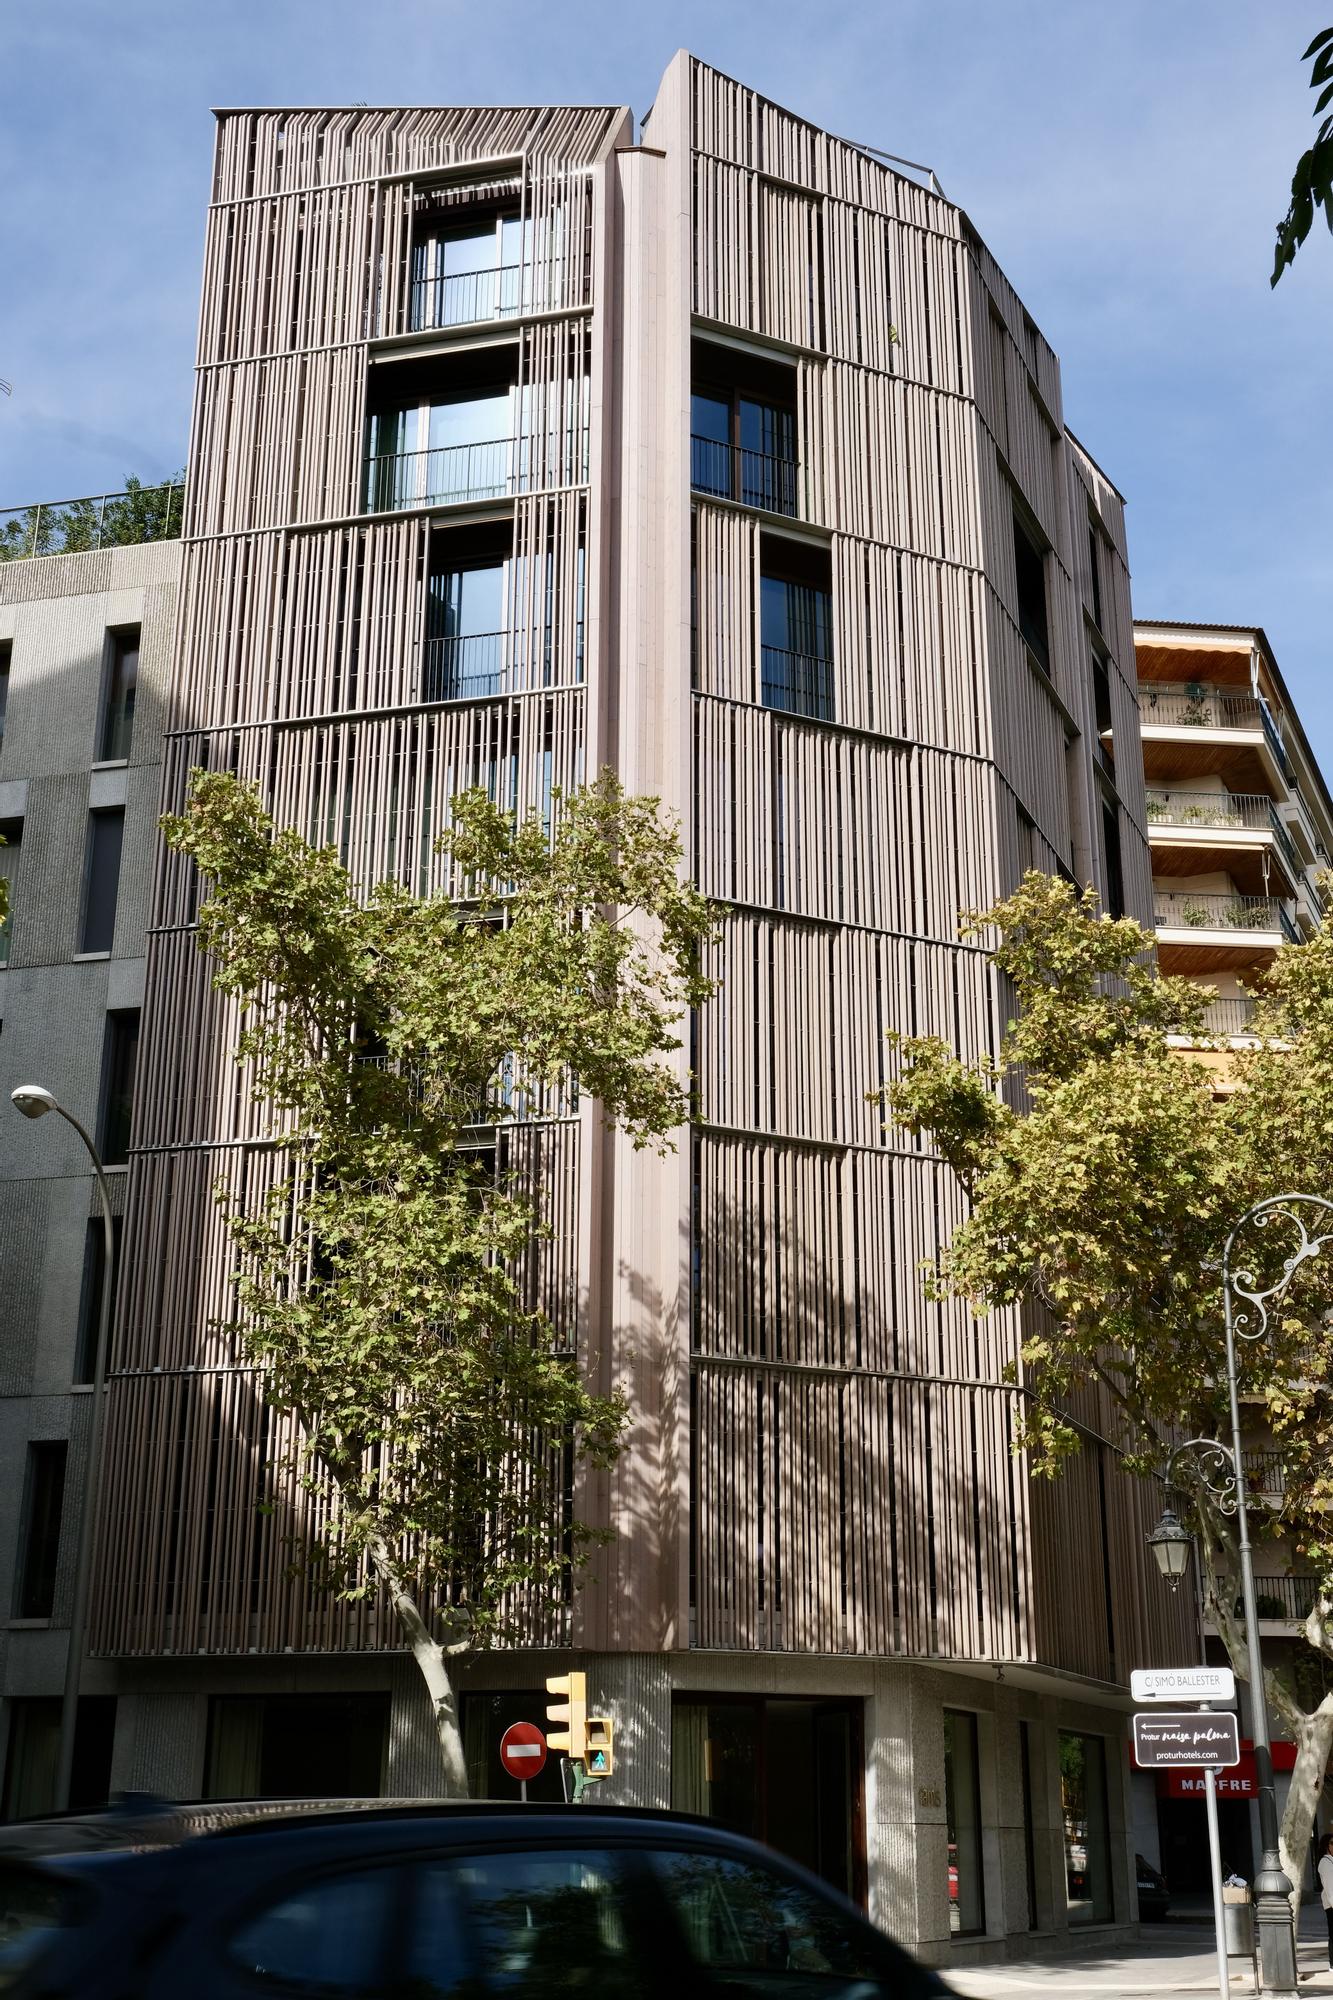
(572, 1738)
(599, 1759)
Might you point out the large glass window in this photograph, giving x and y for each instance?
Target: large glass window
(469, 273)
(796, 646)
(101, 880)
(1087, 1827)
(743, 449)
(465, 632)
(962, 1803)
(783, 1771)
(282, 1746)
(441, 449)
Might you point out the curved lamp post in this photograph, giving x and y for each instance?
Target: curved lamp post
(34, 1102)
(1219, 1470)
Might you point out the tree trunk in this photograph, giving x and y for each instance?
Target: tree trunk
(433, 1661)
(1313, 1736)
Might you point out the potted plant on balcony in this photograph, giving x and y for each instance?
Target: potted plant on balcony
(1195, 915)
(1158, 809)
(1196, 712)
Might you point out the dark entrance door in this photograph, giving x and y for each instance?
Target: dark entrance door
(785, 1771)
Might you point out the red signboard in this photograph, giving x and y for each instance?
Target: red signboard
(523, 1750)
(1237, 1783)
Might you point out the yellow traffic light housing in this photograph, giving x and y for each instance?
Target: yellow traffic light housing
(572, 1739)
(600, 1759)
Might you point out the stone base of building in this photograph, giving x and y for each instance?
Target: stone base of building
(978, 1814)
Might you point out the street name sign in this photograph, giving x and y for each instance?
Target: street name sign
(1183, 1684)
(1205, 1742)
(523, 1751)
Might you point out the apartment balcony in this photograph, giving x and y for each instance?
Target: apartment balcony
(1193, 832)
(753, 478)
(1195, 731)
(1281, 1600)
(1230, 1016)
(1218, 933)
(464, 298)
(797, 683)
(471, 668)
(102, 521)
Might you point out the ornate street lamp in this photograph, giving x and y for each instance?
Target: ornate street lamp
(1219, 1471)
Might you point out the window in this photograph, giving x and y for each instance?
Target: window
(1115, 873)
(1095, 574)
(1029, 1834)
(962, 1803)
(466, 621)
(121, 681)
(101, 879)
(1087, 1827)
(34, 1751)
(90, 1293)
(1030, 572)
(764, 1934)
(6, 652)
(446, 449)
(120, 1059)
(1101, 701)
(296, 1746)
(325, 1938)
(473, 272)
(39, 1536)
(540, 1923)
(796, 629)
(11, 834)
(743, 429)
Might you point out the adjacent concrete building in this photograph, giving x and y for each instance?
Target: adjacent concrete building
(725, 455)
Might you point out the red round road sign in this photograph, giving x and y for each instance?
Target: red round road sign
(523, 1750)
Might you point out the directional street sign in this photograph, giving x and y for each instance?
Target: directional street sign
(1205, 1742)
(523, 1751)
(1183, 1684)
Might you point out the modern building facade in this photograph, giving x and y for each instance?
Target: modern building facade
(723, 455)
(85, 660)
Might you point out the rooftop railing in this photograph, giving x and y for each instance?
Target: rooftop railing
(1182, 911)
(755, 478)
(102, 521)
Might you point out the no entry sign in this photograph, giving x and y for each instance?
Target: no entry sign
(523, 1751)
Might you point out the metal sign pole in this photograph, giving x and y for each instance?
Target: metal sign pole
(523, 1793)
(1215, 1876)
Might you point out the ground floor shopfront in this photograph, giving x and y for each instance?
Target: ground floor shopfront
(974, 1813)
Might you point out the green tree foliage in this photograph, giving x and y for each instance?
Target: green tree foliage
(378, 1285)
(70, 527)
(1312, 182)
(1104, 1171)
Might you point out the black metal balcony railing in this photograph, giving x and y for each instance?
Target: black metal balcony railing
(1229, 1017)
(1265, 1473)
(446, 473)
(1220, 809)
(1273, 735)
(1286, 846)
(755, 478)
(1198, 708)
(457, 298)
(1289, 1597)
(104, 521)
(464, 668)
(1181, 911)
(799, 683)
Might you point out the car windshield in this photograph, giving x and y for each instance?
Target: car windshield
(33, 1907)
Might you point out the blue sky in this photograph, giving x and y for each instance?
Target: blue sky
(1126, 164)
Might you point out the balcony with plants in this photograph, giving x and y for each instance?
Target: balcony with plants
(1227, 918)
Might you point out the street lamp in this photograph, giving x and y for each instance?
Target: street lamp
(34, 1102)
(1219, 1470)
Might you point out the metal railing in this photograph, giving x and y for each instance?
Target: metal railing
(755, 478)
(1286, 846)
(798, 683)
(463, 668)
(1221, 809)
(1181, 911)
(1289, 1597)
(1273, 735)
(445, 473)
(1265, 1473)
(1229, 1017)
(1197, 708)
(104, 521)
(457, 298)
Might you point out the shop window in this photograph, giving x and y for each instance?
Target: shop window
(1083, 1800)
(296, 1746)
(786, 1772)
(962, 1801)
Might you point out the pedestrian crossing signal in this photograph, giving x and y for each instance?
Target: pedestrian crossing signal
(600, 1759)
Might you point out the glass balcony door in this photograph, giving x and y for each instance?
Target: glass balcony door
(443, 449)
(467, 274)
(796, 647)
(743, 449)
(466, 629)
